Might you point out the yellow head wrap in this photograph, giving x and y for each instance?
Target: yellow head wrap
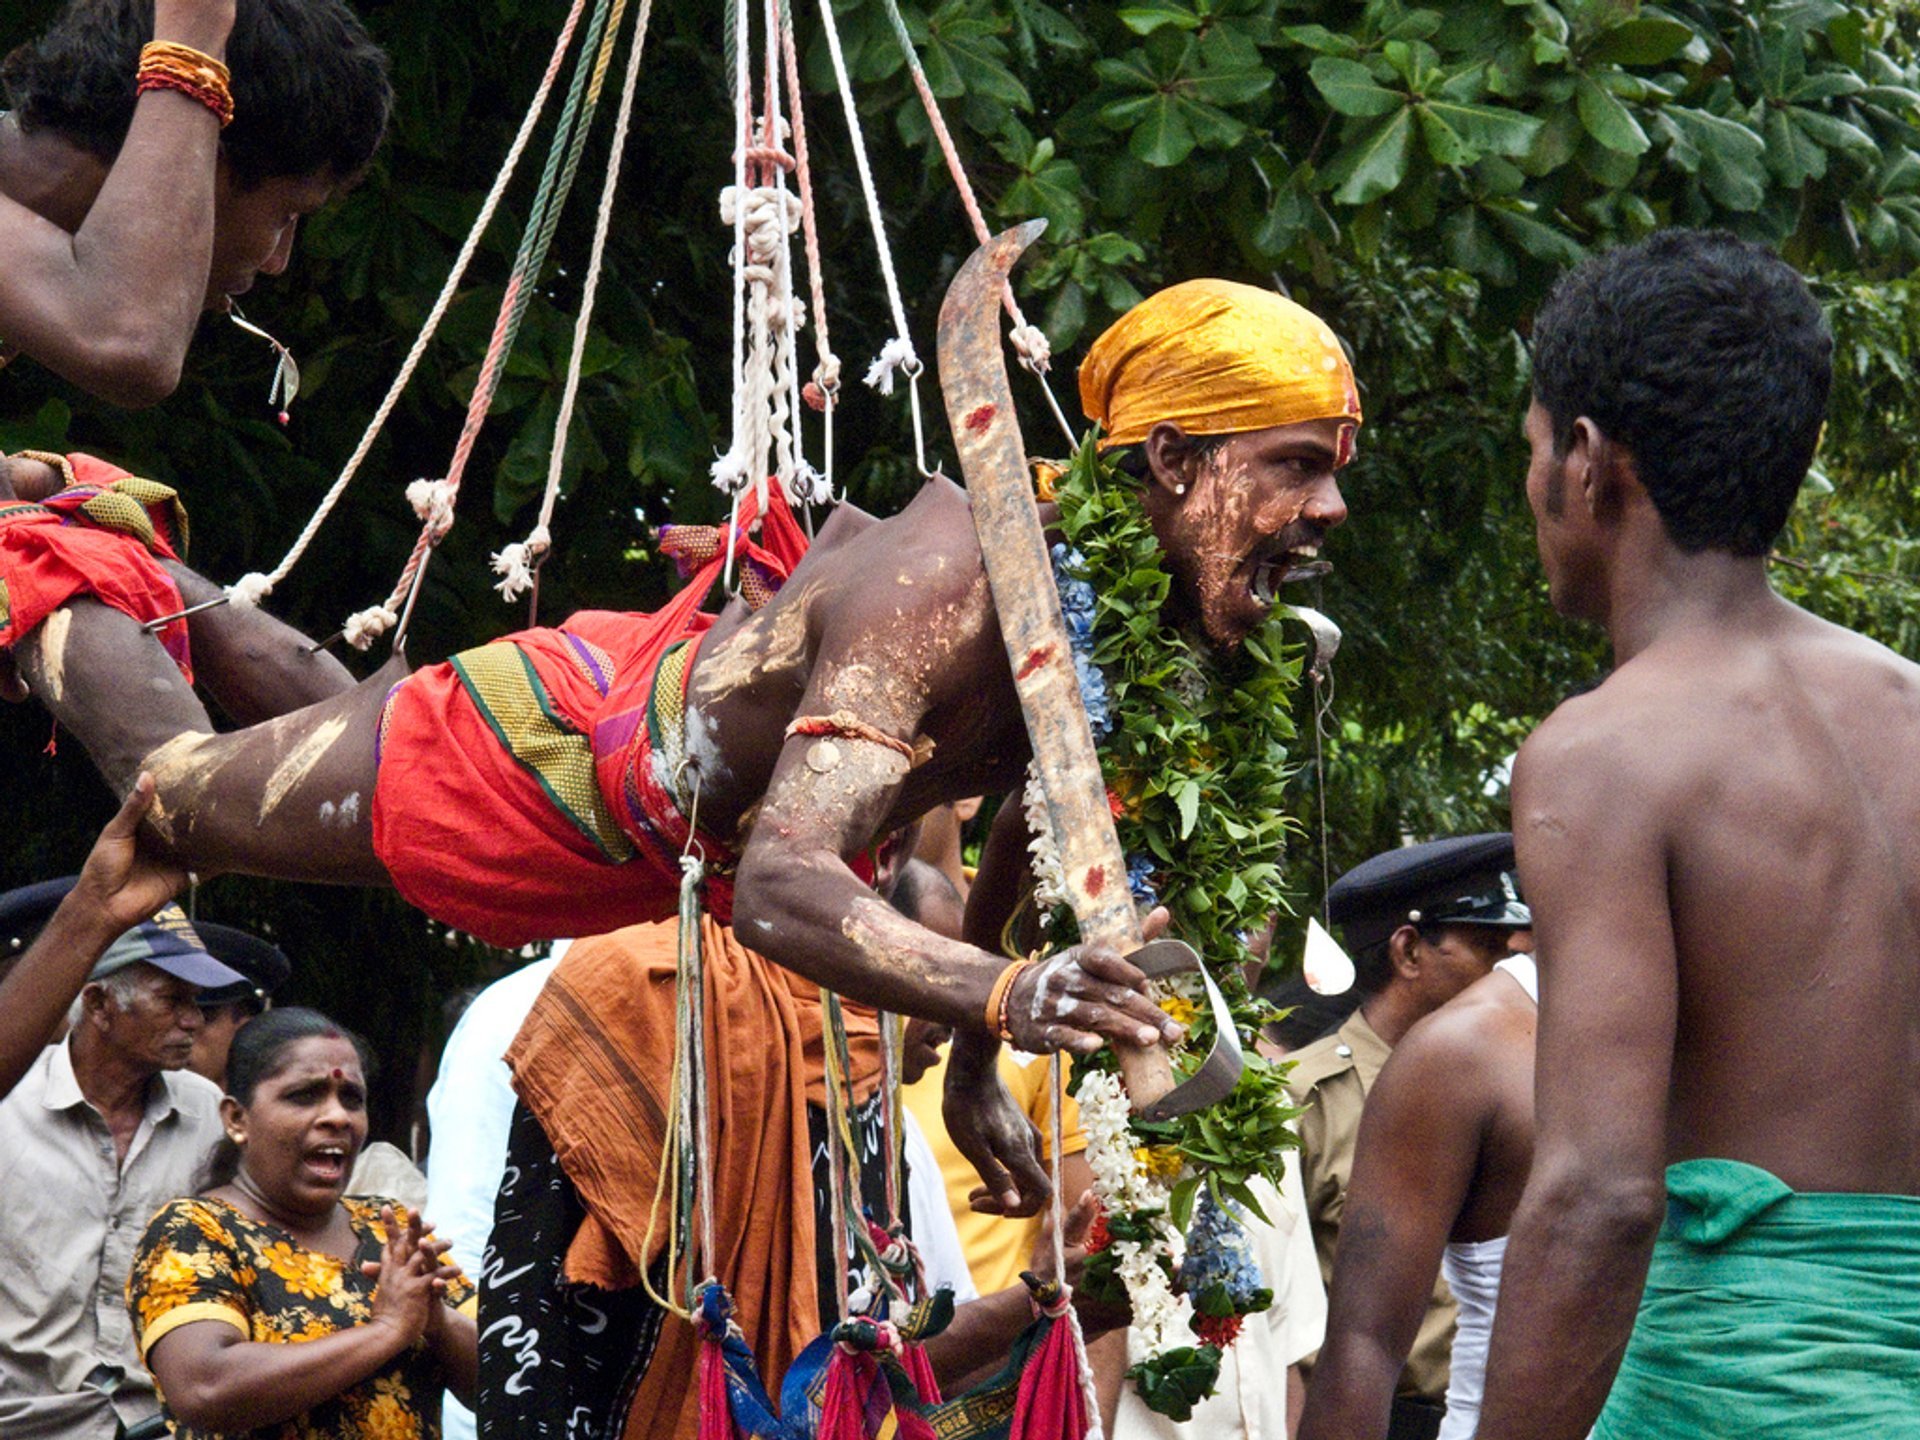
(1215, 358)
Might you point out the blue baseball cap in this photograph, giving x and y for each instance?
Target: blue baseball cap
(167, 942)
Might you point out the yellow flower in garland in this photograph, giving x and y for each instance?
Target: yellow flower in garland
(1162, 1162)
(1181, 1009)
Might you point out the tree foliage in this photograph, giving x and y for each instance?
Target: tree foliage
(1418, 174)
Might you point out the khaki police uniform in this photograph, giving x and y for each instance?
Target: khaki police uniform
(1330, 1079)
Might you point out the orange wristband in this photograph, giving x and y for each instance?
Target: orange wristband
(997, 998)
(167, 66)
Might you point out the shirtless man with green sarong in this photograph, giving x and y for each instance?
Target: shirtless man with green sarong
(1718, 848)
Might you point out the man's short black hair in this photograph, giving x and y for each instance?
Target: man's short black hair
(310, 88)
(1709, 359)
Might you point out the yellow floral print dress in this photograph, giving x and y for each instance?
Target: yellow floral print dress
(201, 1259)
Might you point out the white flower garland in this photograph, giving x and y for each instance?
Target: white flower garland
(1049, 876)
(1125, 1187)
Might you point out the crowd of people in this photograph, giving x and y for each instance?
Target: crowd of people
(1639, 1223)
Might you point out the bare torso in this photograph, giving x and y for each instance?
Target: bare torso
(900, 611)
(1776, 755)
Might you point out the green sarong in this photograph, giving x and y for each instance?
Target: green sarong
(1771, 1313)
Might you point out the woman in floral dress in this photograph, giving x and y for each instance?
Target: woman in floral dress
(271, 1304)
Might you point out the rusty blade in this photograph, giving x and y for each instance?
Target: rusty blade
(993, 458)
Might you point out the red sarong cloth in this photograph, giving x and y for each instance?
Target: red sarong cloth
(471, 833)
(55, 550)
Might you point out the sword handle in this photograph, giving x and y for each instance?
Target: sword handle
(1146, 1069)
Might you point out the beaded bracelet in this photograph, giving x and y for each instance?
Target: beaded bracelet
(998, 998)
(167, 66)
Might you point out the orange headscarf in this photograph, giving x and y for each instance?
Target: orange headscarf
(1215, 358)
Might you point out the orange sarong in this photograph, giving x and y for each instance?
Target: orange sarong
(594, 1063)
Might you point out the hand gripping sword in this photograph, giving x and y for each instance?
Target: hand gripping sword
(993, 458)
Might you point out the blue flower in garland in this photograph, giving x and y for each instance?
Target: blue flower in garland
(1220, 1271)
(1140, 880)
(1076, 603)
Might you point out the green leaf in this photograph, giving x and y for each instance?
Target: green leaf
(1322, 40)
(1827, 85)
(1541, 241)
(1731, 158)
(1648, 40)
(1145, 19)
(1471, 244)
(1836, 134)
(1186, 795)
(1373, 162)
(1163, 138)
(1607, 120)
(1794, 156)
(1349, 87)
(1487, 129)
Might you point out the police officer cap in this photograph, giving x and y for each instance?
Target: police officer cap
(1465, 880)
(263, 964)
(24, 911)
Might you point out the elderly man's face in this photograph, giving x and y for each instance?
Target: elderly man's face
(1245, 515)
(153, 1026)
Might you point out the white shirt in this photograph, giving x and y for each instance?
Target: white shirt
(74, 1214)
(1250, 1398)
(935, 1235)
(469, 1112)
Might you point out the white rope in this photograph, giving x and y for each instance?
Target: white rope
(730, 470)
(1056, 1078)
(897, 352)
(253, 587)
(517, 562)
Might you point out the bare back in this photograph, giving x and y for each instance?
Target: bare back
(1773, 760)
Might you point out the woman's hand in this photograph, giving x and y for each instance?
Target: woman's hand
(407, 1283)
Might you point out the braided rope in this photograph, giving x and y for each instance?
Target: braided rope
(898, 352)
(252, 588)
(556, 180)
(516, 563)
(1029, 341)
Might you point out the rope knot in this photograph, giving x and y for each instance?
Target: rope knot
(519, 562)
(432, 501)
(896, 357)
(1030, 343)
(367, 626)
(250, 589)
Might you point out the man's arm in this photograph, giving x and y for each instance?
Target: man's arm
(1414, 1161)
(797, 902)
(1589, 834)
(117, 889)
(113, 306)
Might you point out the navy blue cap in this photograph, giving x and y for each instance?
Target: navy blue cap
(24, 911)
(167, 942)
(1464, 880)
(263, 965)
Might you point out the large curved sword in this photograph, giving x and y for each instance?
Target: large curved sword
(993, 458)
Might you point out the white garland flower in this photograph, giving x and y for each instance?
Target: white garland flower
(1125, 1186)
(1049, 876)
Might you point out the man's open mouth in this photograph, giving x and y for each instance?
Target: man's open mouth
(1284, 567)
